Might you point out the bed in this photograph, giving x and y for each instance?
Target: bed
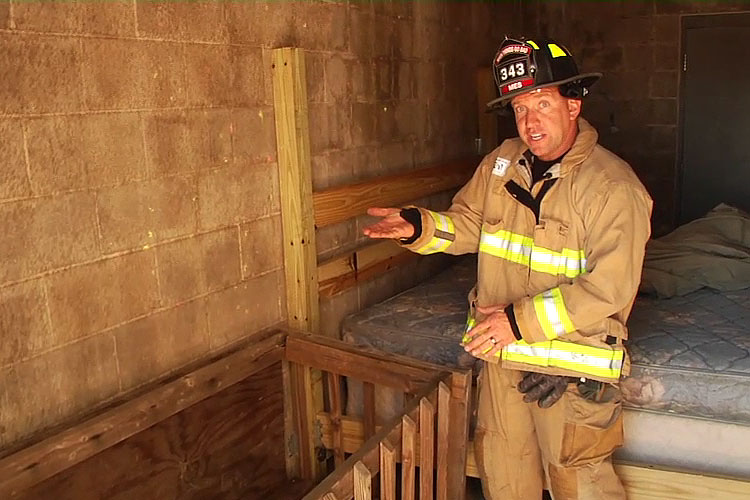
(688, 395)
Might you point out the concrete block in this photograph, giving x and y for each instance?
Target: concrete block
(362, 23)
(320, 26)
(14, 181)
(54, 17)
(385, 125)
(23, 322)
(114, 17)
(403, 49)
(667, 29)
(338, 81)
(254, 135)
(161, 343)
(147, 74)
(333, 310)
(142, 213)
(396, 157)
(239, 312)
(45, 234)
(410, 119)
(332, 240)
(5, 15)
(664, 111)
(192, 21)
(261, 243)
(363, 123)
(404, 81)
(49, 389)
(87, 299)
(193, 266)
(261, 24)
(315, 71)
(113, 148)
(608, 59)
(628, 31)
(363, 81)
(663, 84)
(248, 86)
(208, 75)
(187, 140)
(430, 81)
(638, 58)
(237, 194)
(667, 57)
(55, 147)
(663, 137)
(384, 75)
(40, 74)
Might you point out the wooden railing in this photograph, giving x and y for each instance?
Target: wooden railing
(428, 438)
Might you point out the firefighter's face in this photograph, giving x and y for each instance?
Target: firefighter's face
(546, 121)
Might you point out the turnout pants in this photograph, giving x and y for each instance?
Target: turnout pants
(517, 444)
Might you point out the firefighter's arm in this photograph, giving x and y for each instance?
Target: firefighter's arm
(617, 229)
(457, 230)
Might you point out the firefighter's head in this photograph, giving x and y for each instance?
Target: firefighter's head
(540, 83)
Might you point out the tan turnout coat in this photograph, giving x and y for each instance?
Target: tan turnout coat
(571, 270)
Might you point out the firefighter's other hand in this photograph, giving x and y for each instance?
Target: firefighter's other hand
(392, 225)
(546, 390)
(491, 334)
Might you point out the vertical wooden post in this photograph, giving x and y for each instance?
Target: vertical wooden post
(362, 482)
(300, 259)
(387, 471)
(486, 91)
(426, 447)
(295, 180)
(443, 430)
(334, 395)
(408, 457)
(460, 409)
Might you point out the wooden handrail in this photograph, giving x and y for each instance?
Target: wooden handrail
(341, 203)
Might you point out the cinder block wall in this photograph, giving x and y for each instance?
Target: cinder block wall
(139, 204)
(636, 44)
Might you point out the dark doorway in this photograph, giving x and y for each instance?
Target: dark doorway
(715, 113)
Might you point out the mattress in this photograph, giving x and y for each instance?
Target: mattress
(690, 376)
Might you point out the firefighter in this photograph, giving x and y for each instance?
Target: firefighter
(560, 225)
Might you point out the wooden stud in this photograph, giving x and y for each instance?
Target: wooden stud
(362, 482)
(443, 428)
(486, 91)
(368, 396)
(304, 410)
(341, 203)
(334, 395)
(295, 182)
(387, 471)
(426, 447)
(408, 457)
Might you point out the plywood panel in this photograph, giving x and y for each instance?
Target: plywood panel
(227, 446)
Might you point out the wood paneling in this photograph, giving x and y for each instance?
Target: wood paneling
(227, 446)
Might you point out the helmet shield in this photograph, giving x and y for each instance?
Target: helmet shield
(523, 65)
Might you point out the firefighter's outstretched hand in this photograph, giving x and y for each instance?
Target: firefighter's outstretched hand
(545, 389)
(392, 225)
(491, 334)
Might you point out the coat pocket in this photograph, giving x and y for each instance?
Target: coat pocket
(593, 430)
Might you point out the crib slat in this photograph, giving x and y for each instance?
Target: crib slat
(334, 393)
(426, 447)
(362, 482)
(444, 398)
(387, 471)
(368, 417)
(408, 444)
(330, 496)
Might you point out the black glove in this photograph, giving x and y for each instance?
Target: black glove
(546, 390)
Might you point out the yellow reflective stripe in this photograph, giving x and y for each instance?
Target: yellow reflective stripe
(470, 323)
(531, 42)
(436, 244)
(551, 313)
(521, 250)
(556, 51)
(587, 360)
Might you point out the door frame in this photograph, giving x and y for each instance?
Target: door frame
(692, 21)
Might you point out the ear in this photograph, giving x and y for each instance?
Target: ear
(574, 108)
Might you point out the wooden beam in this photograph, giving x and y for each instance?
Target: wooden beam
(295, 182)
(57, 453)
(341, 203)
(347, 360)
(349, 270)
(486, 91)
